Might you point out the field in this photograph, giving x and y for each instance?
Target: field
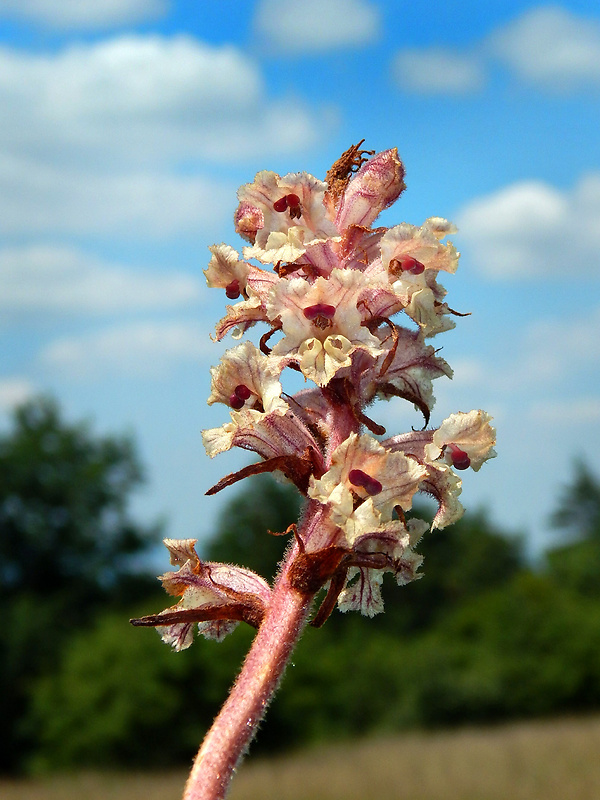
(550, 760)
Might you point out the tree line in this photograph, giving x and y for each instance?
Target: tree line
(485, 636)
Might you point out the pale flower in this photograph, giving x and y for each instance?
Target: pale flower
(215, 597)
(277, 213)
(362, 468)
(464, 439)
(246, 378)
(328, 300)
(321, 322)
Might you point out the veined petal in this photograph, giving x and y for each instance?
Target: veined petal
(364, 469)
(471, 432)
(430, 315)
(225, 267)
(440, 227)
(362, 592)
(215, 596)
(278, 433)
(240, 317)
(245, 367)
(376, 185)
(421, 244)
(391, 544)
(264, 197)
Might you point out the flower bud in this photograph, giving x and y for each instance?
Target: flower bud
(376, 185)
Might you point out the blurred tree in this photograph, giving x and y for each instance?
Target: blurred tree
(578, 510)
(121, 697)
(242, 534)
(577, 563)
(67, 546)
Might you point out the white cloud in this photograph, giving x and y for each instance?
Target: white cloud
(13, 392)
(579, 411)
(552, 355)
(558, 351)
(531, 229)
(147, 350)
(45, 199)
(437, 70)
(316, 25)
(139, 99)
(547, 46)
(50, 278)
(111, 136)
(551, 46)
(82, 14)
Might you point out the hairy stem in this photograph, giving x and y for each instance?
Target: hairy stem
(235, 726)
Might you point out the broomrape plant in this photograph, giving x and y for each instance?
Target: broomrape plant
(331, 286)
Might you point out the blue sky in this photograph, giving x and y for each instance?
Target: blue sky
(126, 127)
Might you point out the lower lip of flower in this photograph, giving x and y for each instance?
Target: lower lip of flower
(359, 478)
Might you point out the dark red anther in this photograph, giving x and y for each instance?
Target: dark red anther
(242, 391)
(236, 402)
(319, 310)
(359, 478)
(406, 264)
(232, 290)
(281, 205)
(460, 459)
(292, 200)
(239, 396)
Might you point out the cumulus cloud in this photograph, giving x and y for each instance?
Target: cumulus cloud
(551, 46)
(316, 25)
(40, 199)
(114, 135)
(64, 280)
(437, 70)
(579, 411)
(559, 350)
(546, 46)
(530, 229)
(13, 392)
(146, 350)
(82, 14)
(140, 99)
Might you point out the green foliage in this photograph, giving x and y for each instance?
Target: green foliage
(578, 510)
(482, 637)
(120, 697)
(63, 507)
(242, 529)
(577, 564)
(67, 548)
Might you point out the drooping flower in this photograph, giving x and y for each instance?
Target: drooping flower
(215, 597)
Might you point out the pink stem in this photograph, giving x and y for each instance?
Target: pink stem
(234, 727)
(285, 619)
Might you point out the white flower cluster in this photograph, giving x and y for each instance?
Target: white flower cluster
(333, 286)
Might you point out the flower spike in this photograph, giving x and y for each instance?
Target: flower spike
(350, 307)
